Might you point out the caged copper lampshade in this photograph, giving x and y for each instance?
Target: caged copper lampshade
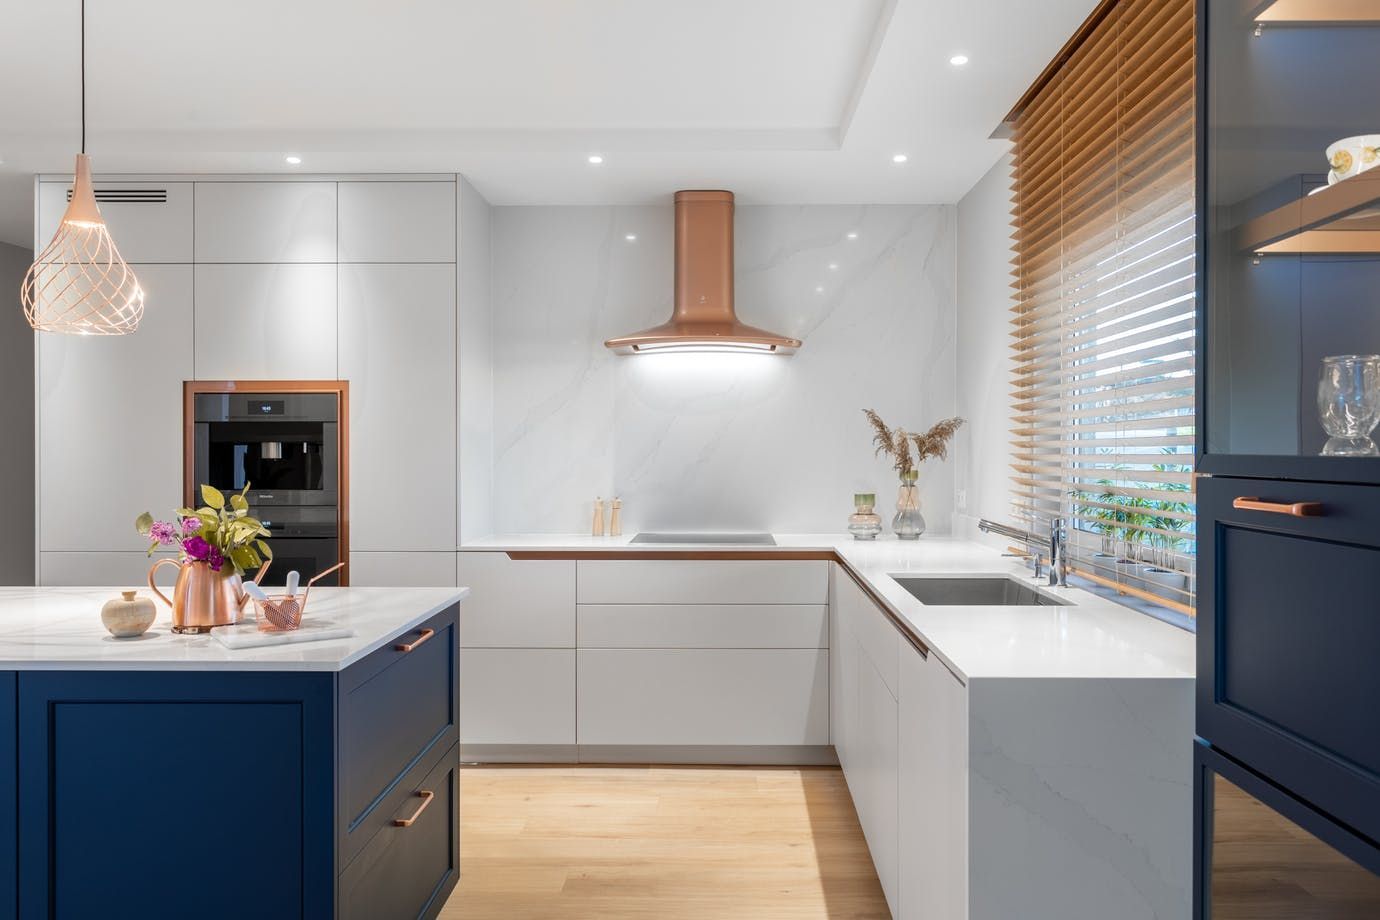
(79, 284)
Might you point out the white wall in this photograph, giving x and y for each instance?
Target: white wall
(476, 369)
(983, 454)
(717, 441)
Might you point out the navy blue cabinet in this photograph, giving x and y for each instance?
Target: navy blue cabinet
(235, 794)
(9, 799)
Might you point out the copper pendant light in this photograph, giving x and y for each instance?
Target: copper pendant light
(704, 318)
(79, 284)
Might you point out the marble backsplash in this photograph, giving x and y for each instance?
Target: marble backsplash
(700, 442)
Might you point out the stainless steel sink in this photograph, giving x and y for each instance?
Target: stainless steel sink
(722, 539)
(977, 591)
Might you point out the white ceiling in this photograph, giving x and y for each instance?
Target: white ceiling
(789, 101)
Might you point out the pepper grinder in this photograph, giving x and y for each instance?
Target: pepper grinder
(616, 525)
(598, 528)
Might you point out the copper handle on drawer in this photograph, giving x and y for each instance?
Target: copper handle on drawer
(409, 646)
(1294, 509)
(426, 796)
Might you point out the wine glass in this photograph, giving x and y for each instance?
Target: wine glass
(1349, 404)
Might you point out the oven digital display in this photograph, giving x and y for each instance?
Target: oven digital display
(267, 407)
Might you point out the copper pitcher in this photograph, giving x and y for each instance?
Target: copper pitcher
(202, 597)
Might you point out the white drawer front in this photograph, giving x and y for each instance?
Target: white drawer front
(703, 626)
(517, 696)
(704, 696)
(876, 634)
(677, 581)
(517, 603)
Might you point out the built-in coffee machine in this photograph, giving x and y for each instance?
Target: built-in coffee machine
(286, 447)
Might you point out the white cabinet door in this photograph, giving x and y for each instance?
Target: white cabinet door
(876, 800)
(409, 570)
(110, 422)
(877, 636)
(703, 626)
(517, 696)
(265, 322)
(123, 570)
(144, 228)
(517, 603)
(397, 349)
(704, 697)
(662, 581)
(933, 791)
(390, 221)
(265, 221)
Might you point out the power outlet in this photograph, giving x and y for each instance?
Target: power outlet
(961, 500)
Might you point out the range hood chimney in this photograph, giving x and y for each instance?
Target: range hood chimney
(703, 319)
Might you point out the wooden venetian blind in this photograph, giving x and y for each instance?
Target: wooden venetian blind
(1103, 323)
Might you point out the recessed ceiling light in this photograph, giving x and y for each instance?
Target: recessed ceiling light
(833, 266)
(819, 289)
(630, 237)
(595, 159)
(292, 159)
(852, 234)
(899, 158)
(958, 60)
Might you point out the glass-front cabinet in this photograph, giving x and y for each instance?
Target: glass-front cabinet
(1288, 472)
(1291, 197)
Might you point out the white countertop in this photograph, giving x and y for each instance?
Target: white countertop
(60, 629)
(1094, 638)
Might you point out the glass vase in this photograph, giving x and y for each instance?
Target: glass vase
(909, 523)
(864, 523)
(1349, 404)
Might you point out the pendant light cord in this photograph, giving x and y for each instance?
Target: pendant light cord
(83, 76)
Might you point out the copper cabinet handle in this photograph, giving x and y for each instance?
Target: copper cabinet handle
(1296, 509)
(426, 796)
(409, 646)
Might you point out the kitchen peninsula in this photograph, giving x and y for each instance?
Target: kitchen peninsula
(169, 775)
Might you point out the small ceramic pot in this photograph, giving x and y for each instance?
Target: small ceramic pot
(128, 615)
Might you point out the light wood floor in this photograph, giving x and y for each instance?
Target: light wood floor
(665, 842)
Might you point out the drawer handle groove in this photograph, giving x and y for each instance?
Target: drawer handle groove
(426, 796)
(1294, 509)
(409, 646)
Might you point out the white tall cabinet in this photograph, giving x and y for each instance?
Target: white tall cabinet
(261, 278)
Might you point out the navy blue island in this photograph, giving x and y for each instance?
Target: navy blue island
(171, 776)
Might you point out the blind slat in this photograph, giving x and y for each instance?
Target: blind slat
(1103, 313)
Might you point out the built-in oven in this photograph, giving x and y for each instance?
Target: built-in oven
(1264, 853)
(284, 447)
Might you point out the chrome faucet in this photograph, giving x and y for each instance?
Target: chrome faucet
(1058, 554)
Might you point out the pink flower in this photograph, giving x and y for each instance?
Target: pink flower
(191, 524)
(163, 532)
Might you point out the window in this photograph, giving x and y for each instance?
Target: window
(1104, 314)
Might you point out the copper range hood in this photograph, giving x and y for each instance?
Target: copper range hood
(703, 318)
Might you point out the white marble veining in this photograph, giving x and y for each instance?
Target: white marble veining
(60, 629)
(716, 441)
(1094, 638)
(1080, 799)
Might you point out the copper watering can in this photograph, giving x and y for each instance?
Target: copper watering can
(203, 598)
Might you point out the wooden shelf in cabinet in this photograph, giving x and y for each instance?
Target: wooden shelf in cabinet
(1323, 223)
(1318, 12)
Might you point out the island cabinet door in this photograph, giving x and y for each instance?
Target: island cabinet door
(141, 793)
(9, 818)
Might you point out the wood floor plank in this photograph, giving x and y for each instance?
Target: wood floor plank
(590, 842)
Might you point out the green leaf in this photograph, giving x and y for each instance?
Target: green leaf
(264, 549)
(212, 496)
(143, 523)
(239, 503)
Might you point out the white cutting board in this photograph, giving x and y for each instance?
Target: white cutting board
(248, 635)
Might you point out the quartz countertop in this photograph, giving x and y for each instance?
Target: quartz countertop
(60, 629)
(1094, 637)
